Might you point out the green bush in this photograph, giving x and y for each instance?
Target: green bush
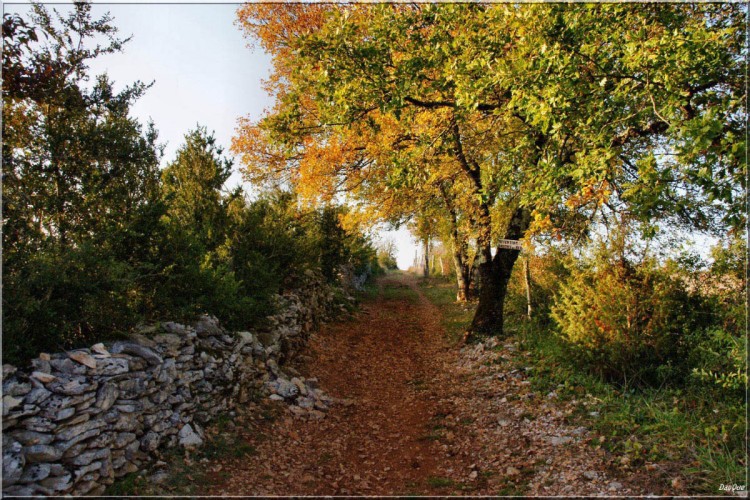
(547, 271)
(65, 297)
(97, 239)
(627, 322)
(718, 353)
(719, 360)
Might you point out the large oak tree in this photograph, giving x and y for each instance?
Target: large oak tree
(551, 116)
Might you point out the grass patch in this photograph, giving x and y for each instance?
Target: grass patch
(398, 292)
(128, 485)
(512, 490)
(456, 316)
(186, 475)
(439, 482)
(183, 479)
(222, 446)
(699, 431)
(433, 436)
(368, 293)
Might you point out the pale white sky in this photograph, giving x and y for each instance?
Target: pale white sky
(203, 73)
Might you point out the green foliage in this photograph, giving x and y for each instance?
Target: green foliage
(191, 188)
(682, 423)
(96, 239)
(719, 358)
(547, 271)
(628, 321)
(387, 261)
(65, 297)
(80, 186)
(386, 255)
(676, 321)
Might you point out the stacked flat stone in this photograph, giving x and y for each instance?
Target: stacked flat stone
(76, 421)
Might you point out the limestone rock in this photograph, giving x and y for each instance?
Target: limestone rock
(106, 396)
(45, 378)
(28, 438)
(188, 437)
(76, 430)
(136, 350)
(207, 325)
(60, 483)
(590, 475)
(13, 462)
(65, 446)
(65, 365)
(37, 395)
(113, 366)
(90, 456)
(72, 386)
(285, 388)
(615, 486)
(123, 439)
(16, 388)
(36, 472)
(9, 402)
(83, 358)
(300, 385)
(63, 414)
(8, 370)
(41, 453)
(39, 424)
(150, 441)
(560, 440)
(175, 328)
(101, 350)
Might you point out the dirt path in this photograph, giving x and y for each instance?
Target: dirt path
(386, 362)
(425, 418)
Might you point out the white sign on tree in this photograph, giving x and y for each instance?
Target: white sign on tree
(509, 244)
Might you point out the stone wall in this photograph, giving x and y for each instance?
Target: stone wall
(75, 421)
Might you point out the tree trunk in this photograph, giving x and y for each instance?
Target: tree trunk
(494, 273)
(463, 277)
(460, 262)
(527, 279)
(442, 266)
(460, 247)
(426, 266)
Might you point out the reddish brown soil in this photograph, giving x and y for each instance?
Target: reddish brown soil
(387, 362)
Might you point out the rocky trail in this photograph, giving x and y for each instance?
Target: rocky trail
(411, 414)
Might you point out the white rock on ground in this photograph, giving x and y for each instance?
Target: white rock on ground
(188, 437)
